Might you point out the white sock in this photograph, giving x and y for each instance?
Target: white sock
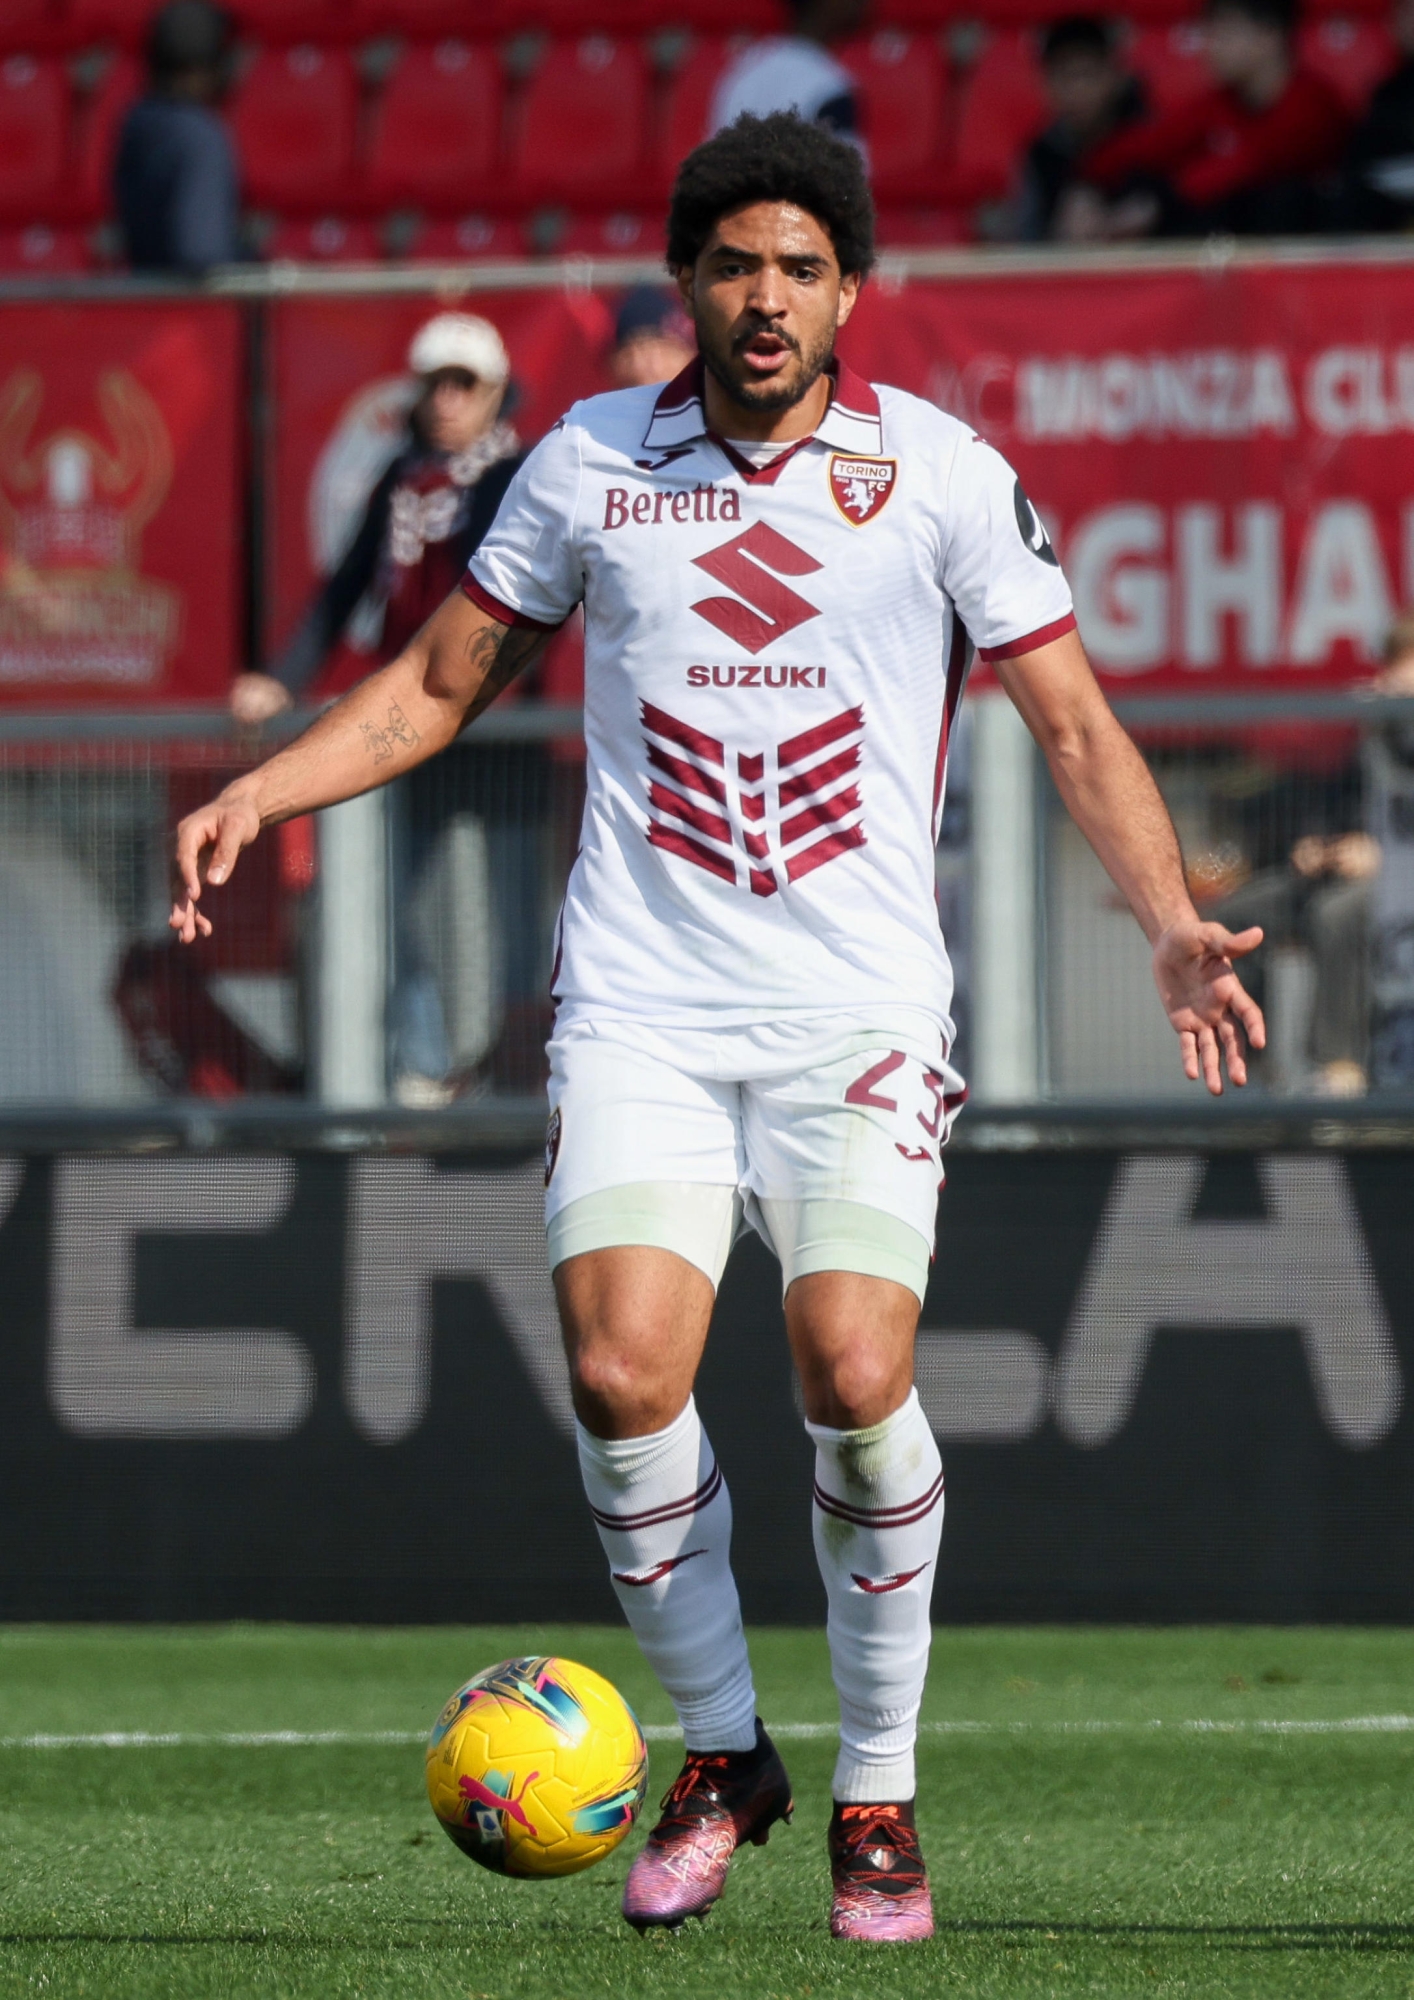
(663, 1514)
(878, 1522)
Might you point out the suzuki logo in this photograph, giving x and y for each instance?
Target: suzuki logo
(750, 564)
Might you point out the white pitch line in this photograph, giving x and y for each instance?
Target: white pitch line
(181, 1739)
(658, 1732)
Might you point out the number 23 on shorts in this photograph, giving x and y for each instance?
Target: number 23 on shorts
(938, 1104)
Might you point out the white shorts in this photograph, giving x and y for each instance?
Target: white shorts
(825, 1133)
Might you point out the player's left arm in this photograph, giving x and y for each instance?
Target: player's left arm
(1111, 795)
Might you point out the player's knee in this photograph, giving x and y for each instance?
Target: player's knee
(858, 1386)
(616, 1393)
(602, 1376)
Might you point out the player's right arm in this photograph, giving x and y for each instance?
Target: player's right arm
(397, 718)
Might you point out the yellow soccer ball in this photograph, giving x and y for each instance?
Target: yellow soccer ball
(537, 1767)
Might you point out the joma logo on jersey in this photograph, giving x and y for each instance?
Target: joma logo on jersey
(861, 485)
(752, 564)
(759, 820)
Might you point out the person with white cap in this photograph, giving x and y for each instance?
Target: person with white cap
(420, 526)
(423, 519)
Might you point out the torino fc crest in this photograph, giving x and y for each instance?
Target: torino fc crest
(72, 510)
(861, 485)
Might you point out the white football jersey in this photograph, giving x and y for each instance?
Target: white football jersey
(773, 659)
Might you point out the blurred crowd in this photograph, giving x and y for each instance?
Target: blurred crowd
(1261, 144)
(1268, 148)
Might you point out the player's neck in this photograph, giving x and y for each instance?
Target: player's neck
(731, 419)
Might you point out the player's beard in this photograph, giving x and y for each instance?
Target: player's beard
(751, 394)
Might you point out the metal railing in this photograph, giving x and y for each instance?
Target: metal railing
(396, 949)
(391, 956)
(453, 278)
(1295, 813)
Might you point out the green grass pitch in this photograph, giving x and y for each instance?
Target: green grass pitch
(1084, 1836)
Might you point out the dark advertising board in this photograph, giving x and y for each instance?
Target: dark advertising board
(304, 1385)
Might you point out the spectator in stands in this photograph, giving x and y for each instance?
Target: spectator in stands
(1311, 891)
(1240, 157)
(653, 339)
(175, 183)
(420, 526)
(1378, 190)
(797, 72)
(1091, 96)
(424, 517)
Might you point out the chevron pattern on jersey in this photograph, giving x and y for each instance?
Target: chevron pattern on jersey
(758, 819)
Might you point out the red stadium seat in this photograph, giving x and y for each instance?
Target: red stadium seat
(34, 111)
(27, 25)
(607, 17)
(1352, 55)
(579, 132)
(295, 117)
(288, 21)
(903, 85)
(430, 20)
(96, 124)
(924, 14)
(1019, 13)
(1037, 13)
(1003, 109)
(41, 249)
(86, 22)
(1171, 63)
(433, 138)
(328, 239)
(622, 234)
(632, 17)
(687, 103)
(725, 17)
(447, 241)
(908, 228)
(1012, 13)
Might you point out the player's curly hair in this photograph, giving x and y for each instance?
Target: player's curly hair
(780, 158)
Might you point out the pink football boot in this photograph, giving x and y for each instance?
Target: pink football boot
(718, 1800)
(881, 1885)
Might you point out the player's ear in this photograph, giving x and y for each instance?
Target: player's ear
(850, 281)
(682, 278)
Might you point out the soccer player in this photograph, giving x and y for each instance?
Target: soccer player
(783, 570)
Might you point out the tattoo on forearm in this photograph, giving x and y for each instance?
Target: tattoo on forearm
(501, 652)
(397, 730)
(400, 728)
(484, 644)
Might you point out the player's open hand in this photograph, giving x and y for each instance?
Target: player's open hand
(1209, 1007)
(208, 842)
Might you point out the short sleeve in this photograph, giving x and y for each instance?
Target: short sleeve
(527, 570)
(998, 566)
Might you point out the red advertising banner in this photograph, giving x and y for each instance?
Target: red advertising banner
(120, 515)
(1222, 457)
(341, 396)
